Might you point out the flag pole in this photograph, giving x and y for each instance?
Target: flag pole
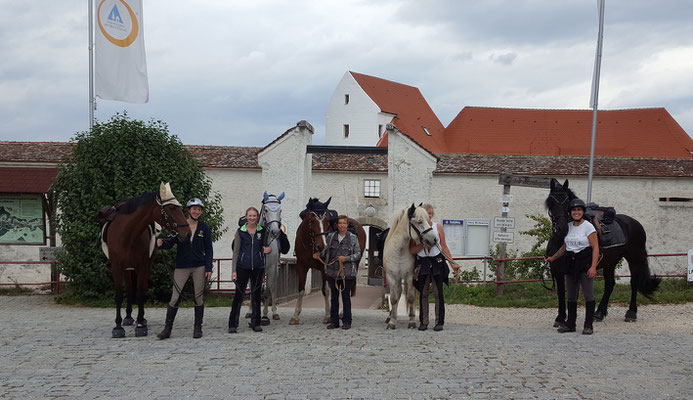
(595, 94)
(92, 101)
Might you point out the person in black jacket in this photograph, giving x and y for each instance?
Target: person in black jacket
(248, 264)
(193, 258)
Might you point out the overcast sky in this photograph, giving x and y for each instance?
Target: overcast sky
(240, 73)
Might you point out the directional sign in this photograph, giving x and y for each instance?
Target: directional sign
(48, 253)
(523, 180)
(503, 237)
(504, 222)
(506, 198)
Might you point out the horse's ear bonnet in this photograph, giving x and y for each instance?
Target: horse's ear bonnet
(166, 197)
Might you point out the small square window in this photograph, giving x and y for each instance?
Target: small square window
(346, 131)
(371, 188)
(346, 99)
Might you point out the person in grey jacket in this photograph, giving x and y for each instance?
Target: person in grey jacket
(341, 253)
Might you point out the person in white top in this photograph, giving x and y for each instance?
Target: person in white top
(581, 248)
(431, 268)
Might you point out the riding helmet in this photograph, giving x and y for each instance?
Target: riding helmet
(195, 202)
(577, 203)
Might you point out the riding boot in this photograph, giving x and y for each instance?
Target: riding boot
(199, 313)
(170, 316)
(572, 317)
(589, 316)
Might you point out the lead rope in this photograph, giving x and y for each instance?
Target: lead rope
(340, 272)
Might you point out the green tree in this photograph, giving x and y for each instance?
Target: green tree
(116, 160)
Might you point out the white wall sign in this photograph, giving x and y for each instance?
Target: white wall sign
(507, 198)
(454, 236)
(504, 222)
(503, 237)
(49, 253)
(690, 265)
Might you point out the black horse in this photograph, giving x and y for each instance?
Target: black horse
(634, 251)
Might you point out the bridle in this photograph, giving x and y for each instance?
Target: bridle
(168, 222)
(313, 234)
(270, 236)
(419, 233)
(560, 199)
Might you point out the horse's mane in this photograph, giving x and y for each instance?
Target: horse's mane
(130, 205)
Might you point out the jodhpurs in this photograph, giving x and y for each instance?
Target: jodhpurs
(242, 276)
(180, 276)
(573, 283)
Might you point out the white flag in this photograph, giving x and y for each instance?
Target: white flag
(120, 68)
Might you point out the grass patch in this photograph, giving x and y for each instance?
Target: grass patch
(67, 297)
(16, 291)
(533, 295)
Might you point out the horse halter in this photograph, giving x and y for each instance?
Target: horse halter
(273, 206)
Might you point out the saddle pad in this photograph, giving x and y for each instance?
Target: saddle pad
(612, 236)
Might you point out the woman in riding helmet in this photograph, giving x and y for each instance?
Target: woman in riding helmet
(582, 254)
(193, 258)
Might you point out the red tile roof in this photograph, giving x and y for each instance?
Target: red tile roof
(44, 152)
(412, 112)
(26, 180)
(649, 132)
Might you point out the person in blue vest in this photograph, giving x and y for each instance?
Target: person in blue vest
(248, 264)
(341, 252)
(193, 258)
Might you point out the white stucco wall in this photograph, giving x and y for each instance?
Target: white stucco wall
(410, 172)
(361, 114)
(346, 190)
(478, 197)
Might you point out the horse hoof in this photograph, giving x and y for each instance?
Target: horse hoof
(631, 316)
(143, 322)
(141, 331)
(118, 332)
(294, 321)
(411, 325)
(599, 316)
(247, 315)
(264, 321)
(391, 326)
(128, 321)
(275, 317)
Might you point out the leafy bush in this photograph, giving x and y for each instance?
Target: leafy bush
(116, 160)
(527, 269)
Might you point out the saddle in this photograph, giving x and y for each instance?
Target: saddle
(612, 233)
(108, 213)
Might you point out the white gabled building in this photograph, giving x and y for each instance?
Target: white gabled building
(361, 107)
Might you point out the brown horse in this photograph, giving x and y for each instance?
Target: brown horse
(129, 243)
(310, 238)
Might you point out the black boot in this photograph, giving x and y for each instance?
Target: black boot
(572, 316)
(199, 313)
(170, 316)
(589, 316)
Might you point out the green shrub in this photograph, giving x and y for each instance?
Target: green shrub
(117, 160)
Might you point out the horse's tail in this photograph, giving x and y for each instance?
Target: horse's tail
(646, 283)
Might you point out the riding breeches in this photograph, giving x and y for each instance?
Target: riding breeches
(255, 276)
(180, 277)
(573, 283)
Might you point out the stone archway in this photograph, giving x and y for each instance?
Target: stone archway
(375, 271)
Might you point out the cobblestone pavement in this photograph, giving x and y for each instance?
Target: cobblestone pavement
(54, 351)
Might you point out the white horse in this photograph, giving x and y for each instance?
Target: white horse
(410, 223)
(271, 219)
